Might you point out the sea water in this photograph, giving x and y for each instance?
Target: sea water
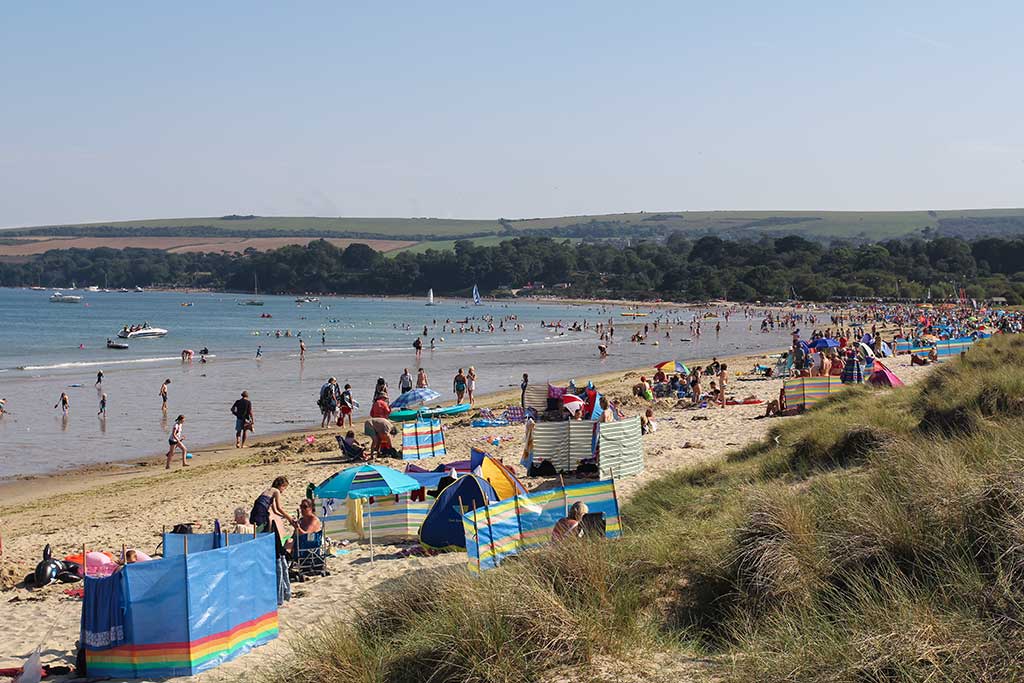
(48, 348)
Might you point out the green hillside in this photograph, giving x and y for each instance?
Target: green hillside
(820, 225)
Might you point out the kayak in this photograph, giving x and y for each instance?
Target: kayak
(410, 415)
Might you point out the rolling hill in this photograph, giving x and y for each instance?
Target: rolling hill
(394, 234)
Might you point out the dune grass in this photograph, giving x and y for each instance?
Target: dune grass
(880, 537)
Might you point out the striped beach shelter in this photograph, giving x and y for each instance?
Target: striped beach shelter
(366, 481)
(422, 438)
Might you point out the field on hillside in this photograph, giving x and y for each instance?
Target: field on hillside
(30, 246)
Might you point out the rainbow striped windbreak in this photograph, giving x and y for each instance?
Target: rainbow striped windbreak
(422, 439)
(181, 615)
(522, 522)
(807, 391)
(945, 348)
(396, 517)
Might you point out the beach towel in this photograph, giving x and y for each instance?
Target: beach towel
(514, 414)
(852, 372)
(104, 627)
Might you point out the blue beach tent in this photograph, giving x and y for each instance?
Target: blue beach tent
(442, 529)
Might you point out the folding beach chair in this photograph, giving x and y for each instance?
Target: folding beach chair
(349, 453)
(310, 556)
(515, 415)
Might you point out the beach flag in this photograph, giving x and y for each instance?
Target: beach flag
(422, 439)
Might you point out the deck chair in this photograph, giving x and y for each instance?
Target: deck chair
(310, 556)
(349, 453)
(515, 415)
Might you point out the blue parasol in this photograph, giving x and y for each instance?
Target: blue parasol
(414, 397)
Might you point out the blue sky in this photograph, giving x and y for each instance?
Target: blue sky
(135, 110)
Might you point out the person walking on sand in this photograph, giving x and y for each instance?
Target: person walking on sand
(421, 379)
(163, 394)
(64, 402)
(471, 384)
(522, 389)
(405, 381)
(302, 350)
(328, 402)
(418, 345)
(244, 421)
(176, 440)
(459, 386)
(347, 406)
(103, 406)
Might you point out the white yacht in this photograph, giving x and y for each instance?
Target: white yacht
(59, 298)
(144, 331)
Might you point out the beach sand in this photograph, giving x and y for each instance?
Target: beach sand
(106, 507)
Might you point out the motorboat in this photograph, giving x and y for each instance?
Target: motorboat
(59, 298)
(307, 300)
(144, 331)
(92, 288)
(111, 344)
(186, 304)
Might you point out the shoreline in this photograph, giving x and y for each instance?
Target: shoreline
(26, 489)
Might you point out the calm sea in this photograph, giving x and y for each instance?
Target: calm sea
(47, 348)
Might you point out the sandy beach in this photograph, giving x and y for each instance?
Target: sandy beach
(106, 506)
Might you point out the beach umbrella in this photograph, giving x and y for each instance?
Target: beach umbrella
(572, 403)
(672, 366)
(825, 343)
(414, 397)
(366, 481)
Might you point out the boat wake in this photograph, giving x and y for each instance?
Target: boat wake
(88, 364)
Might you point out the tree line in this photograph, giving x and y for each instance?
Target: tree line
(678, 268)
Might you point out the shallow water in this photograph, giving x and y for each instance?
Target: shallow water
(40, 357)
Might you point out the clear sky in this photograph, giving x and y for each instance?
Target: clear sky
(119, 110)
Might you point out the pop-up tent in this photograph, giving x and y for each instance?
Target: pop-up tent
(182, 614)
(882, 376)
(442, 528)
(504, 482)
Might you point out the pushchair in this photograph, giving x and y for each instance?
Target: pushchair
(309, 556)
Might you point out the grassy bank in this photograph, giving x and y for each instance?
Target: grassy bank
(878, 538)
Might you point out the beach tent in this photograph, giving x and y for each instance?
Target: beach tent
(805, 392)
(422, 438)
(504, 482)
(620, 448)
(442, 528)
(883, 376)
(564, 444)
(182, 614)
(526, 521)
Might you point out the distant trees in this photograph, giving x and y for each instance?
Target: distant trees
(708, 268)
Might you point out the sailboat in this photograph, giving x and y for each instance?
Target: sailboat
(430, 297)
(476, 296)
(255, 292)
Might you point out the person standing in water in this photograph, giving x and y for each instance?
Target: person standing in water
(405, 381)
(163, 394)
(99, 378)
(176, 440)
(302, 350)
(64, 402)
(103, 406)
(421, 379)
(259, 351)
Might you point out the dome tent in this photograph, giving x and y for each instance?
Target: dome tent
(442, 528)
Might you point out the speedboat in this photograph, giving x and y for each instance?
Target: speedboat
(141, 332)
(111, 344)
(92, 288)
(59, 298)
(307, 300)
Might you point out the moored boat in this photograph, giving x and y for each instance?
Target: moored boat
(59, 298)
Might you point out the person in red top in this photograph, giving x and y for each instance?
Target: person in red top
(380, 408)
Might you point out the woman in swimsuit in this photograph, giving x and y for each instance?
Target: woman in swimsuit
(176, 440)
(471, 384)
(459, 386)
(269, 503)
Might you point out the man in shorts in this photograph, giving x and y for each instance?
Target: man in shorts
(242, 410)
